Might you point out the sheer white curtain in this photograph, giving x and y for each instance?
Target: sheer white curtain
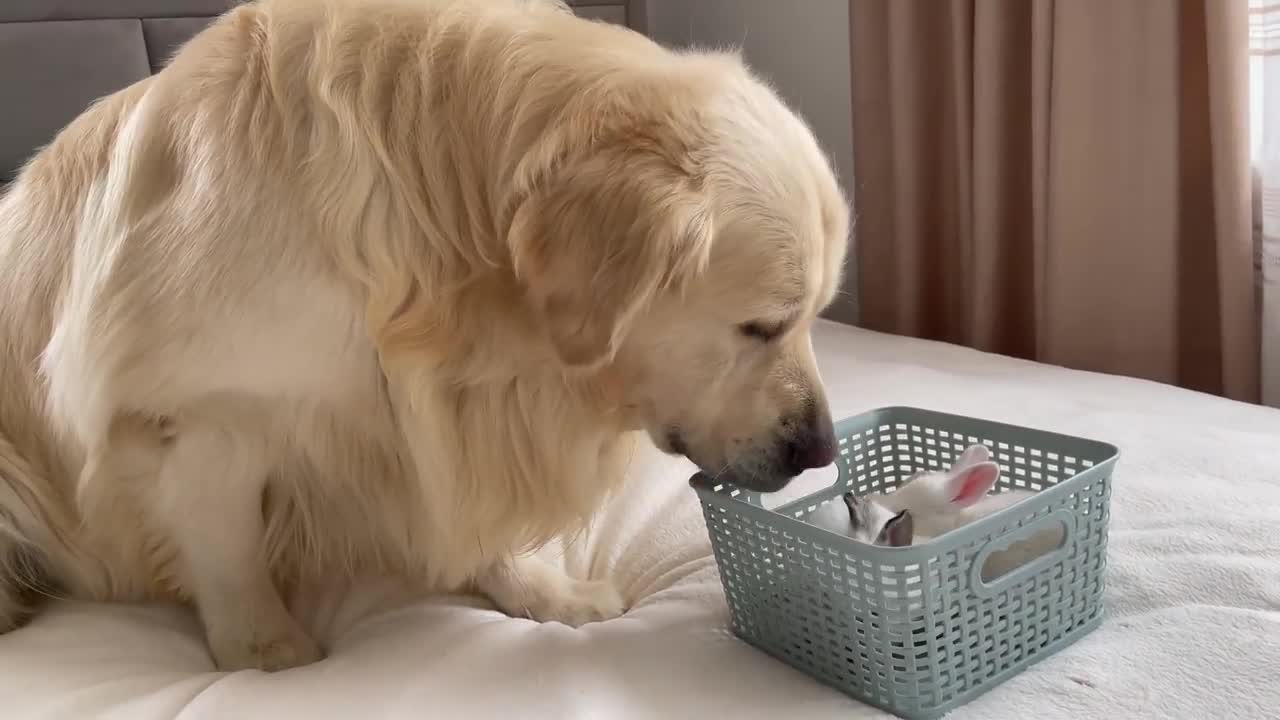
(1264, 120)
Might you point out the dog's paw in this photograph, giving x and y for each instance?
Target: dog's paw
(579, 602)
(283, 648)
(527, 587)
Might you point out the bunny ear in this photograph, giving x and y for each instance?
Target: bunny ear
(972, 455)
(898, 532)
(851, 501)
(970, 484)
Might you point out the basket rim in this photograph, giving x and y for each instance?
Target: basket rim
(1109, 451)
(1106, 450)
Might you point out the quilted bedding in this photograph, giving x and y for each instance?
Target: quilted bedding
(1193, 598)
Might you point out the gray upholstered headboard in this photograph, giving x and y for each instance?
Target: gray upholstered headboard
(57, 56)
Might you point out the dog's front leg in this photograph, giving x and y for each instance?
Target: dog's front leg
(211, 487)
(529, 587)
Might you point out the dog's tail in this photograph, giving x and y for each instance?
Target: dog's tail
(24, 577)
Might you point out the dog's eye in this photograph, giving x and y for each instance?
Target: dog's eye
(760, 330)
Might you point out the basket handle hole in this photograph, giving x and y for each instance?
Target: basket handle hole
(1023, 548)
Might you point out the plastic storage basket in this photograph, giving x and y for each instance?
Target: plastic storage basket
(916, 630)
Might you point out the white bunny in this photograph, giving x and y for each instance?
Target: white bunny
(933, 503)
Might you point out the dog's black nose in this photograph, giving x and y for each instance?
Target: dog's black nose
(813, 447)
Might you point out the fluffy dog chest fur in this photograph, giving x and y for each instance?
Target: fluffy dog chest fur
(469, 476)
(427, 474)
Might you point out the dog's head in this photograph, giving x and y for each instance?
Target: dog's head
(684, 253)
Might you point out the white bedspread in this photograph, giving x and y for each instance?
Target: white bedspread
(1193, 626)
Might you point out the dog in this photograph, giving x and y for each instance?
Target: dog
(397, 286)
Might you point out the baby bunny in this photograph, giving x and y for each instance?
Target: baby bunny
(943, 501)
(928, 504)
(932, 503)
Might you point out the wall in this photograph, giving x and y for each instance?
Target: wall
(802, 47)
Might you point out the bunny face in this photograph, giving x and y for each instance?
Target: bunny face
(871, 522)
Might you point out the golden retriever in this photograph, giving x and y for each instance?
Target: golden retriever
(395, 286)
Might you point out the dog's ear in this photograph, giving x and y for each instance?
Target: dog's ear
(594, 241)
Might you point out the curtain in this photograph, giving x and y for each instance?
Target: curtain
(1264, 95)
(1061, 180)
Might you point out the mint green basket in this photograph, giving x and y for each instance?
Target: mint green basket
(916, 631)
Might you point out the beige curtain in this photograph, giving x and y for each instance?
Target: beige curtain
(1062, 180)
(1264, 130)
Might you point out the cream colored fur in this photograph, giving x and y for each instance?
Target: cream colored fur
(380, 286)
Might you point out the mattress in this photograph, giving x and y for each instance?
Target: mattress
(1193, 596)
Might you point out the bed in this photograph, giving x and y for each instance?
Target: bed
(1193, 598)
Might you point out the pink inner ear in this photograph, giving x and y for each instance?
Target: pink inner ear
(976, 483)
